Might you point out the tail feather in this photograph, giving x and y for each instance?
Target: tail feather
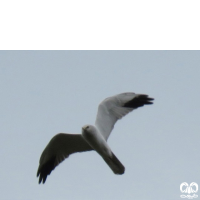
(116, 166)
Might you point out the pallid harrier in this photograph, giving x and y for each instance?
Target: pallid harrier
(93, 137)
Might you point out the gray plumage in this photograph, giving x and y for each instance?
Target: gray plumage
(93, 137)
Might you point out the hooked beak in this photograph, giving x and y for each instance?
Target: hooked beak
(84, 128)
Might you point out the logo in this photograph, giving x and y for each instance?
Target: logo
(189, 189)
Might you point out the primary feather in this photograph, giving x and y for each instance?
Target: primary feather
(59, 148)
(116, 107)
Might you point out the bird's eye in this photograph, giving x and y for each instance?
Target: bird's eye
(87, 127)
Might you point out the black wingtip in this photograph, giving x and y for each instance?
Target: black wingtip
(45, 170)
(42, 177)
(139, 101)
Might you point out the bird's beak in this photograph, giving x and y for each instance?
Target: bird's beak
(84, 128)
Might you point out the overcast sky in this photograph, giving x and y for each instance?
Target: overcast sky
(47, 92)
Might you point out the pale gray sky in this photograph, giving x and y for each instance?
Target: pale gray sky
(47, 92)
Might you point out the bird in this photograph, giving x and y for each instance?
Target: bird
(93, 137)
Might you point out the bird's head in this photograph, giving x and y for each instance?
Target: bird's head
(88, 128)
(89, 131)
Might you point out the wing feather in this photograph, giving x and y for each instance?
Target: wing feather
(114, 108)
(59, 148)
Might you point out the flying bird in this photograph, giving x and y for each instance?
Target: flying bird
(93, 137)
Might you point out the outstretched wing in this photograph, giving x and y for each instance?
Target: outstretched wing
(116, 107)
(59, 148)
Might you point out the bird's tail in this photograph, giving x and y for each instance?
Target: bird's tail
(114, 164)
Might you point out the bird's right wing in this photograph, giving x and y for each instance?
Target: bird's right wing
(114, 108)
(59, 148)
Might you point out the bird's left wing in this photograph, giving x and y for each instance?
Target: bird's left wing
(116, 107)
(59, 148)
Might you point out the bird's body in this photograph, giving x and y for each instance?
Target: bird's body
(96, 140)
(93, 137)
